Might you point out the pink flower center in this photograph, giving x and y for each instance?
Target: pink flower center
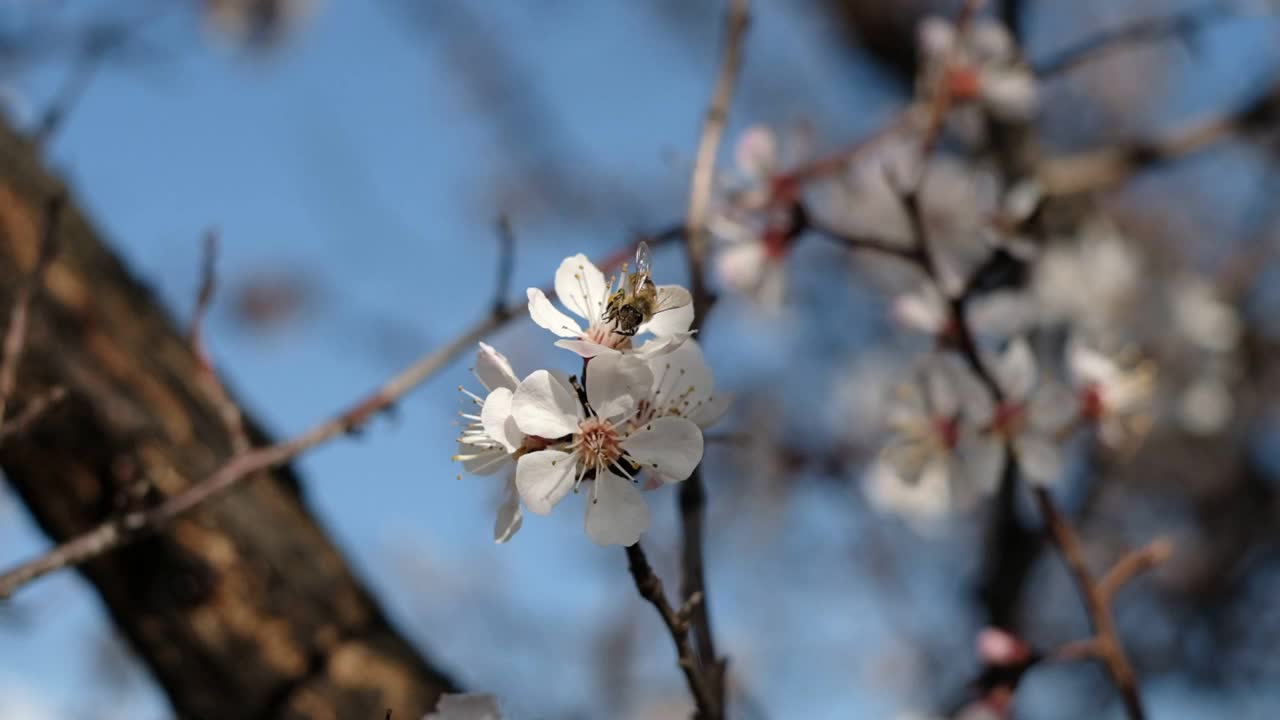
(598, 444)
(1092, 406)
(1009, 418)
(604, 335)
(963, 82)
(947, 430)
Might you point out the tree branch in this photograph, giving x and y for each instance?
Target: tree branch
(15, 337)
(649, 585)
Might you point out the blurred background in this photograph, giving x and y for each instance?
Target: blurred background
(354, 159)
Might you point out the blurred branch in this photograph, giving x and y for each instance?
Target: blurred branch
(649, 585)
(1097, 597)
(692, 496)
(1182, 25)
(506, 262)
(15, 337)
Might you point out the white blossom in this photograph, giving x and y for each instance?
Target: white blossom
(600, 443)
(491, 440)
(1115, 398)
(1028, 417)
(919, 472)
(683, 386)
(1087, 282)
(1203, 317)
(752, 222)
(981, 64)
(1206, 405)
(583, 289)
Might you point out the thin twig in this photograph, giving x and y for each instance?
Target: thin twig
(649, 585)
(506, 262)
(126, 528)
(692, 495)
(15, 338)
(1107, 640)
(1134, 564)
(1181, 24)
(207, 374)
(31, 412)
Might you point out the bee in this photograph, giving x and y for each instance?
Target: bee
(638, 299)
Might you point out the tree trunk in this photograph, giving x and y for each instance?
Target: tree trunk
(243, 609)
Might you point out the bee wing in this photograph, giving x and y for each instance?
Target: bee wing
(644, 259)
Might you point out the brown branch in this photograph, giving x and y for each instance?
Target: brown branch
(692, 495)
(1106, 641)
(1134, 564)
(15, 337)
(649, 585)
(31, 412)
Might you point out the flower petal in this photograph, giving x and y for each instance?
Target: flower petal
(548, 316)
(711, 410)
(585, 348)
(923, 310)
(545, 405)
(581, 287)
(508, 520)
(675, 312)
(543, 478)
(616, 383)
(616, 512)
(681, 378)
(482, 460)
(982, 460)
(1015, 369)
(670, 446)
(756, 153)
(1038, 457)
(1088, 366)
(498, 424)
(493, 370)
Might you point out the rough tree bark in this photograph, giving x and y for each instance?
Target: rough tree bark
(244, 609)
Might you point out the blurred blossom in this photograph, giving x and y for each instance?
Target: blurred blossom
(998, 647)
(753, 219)
(1117, 399)
(1001, 313)
(1205, 406)
(1028, 417)
(1087, 282)
(257, 23)
(979, 64)
(470, 706)
(1203, 317)
(919, 474)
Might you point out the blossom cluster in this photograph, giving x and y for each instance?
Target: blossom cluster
(631, 421)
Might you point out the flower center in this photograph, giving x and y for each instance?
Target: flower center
(947, 431)
(598, 444)
(602, 334)
(1009, 419)
(1092, 406)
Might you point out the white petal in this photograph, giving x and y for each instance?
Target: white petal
(1003, 313)
(741, 265)
(508, 520)
(936, 36)
(1206, 407)
(581, 287)
(615, 384)
(974, 396)
(756, 153)
(493, 370)
(944, 398)
(496, 418)
(1051, 407)
(923, 310)
(671, 446)
(1038, 457)
(983, 460)
(1088, 366)
(1015, 369)
(482, 461)
(616, 511)
(548, 316)
(677, 315)
(660, 346)
(544, 477)
(1010, 94)
(711, 410)
(681, 375)
(991, 41)
(585, 348)
(546, 406)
